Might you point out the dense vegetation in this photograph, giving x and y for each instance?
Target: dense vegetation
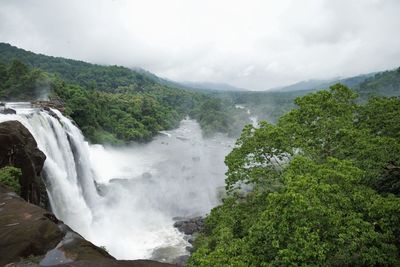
(267, 106)
(319, 188)
(17, 81)
(102, 78)
(10, 177)
(110, 103)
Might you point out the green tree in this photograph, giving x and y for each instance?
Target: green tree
(303, 191)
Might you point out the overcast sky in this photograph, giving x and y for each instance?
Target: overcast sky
(254, 44)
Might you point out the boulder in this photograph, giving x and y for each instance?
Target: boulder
(47, 105)
(18, 148)
(190, 226)
(25, 229)
(7, 111)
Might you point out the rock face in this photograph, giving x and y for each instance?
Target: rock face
(18, 148)
(28, 232)
(47, 105)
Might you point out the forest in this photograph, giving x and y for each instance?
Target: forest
(319, 188)
(111, 104)
(114, 104)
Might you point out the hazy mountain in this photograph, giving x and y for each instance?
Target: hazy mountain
(323, 84)
(212, 86)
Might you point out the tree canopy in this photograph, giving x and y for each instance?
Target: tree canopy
(314, 189)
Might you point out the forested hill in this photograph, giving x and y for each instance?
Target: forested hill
(385, 83)
(109, 103)
(99, 77)
(118, 104)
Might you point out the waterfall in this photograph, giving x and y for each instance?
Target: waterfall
(125, 198)
(67, 170)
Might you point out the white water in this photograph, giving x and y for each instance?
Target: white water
(253, 118)
(125, 198)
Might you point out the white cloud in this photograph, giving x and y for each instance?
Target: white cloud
(254, 44)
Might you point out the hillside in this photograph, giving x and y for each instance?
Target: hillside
(109, 103)
(322, 84)
(102, 78)
(212, 86)
(385, 83)
(104, 99)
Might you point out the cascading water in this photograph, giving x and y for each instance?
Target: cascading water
(67, 168)
(125, 198)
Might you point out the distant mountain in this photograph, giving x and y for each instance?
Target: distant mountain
(212, 86)
(311, 85)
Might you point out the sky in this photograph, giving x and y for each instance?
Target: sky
(253, 44)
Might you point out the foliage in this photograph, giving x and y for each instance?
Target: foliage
(312, 189)
(18, 82)
(106, 117)
(133, 109)
(10, 176)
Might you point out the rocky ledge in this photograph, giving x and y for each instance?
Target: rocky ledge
(32, 236)
(47, 105)
(18, 148)
(191, 227)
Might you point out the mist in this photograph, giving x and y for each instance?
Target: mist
(178, 174)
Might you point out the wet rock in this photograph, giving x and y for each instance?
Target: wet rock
(18, 148)
(47, 105)
(25, 229)
(190, 226)
(51, 112)
(7, 111)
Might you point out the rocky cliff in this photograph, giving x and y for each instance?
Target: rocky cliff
(18, 148)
